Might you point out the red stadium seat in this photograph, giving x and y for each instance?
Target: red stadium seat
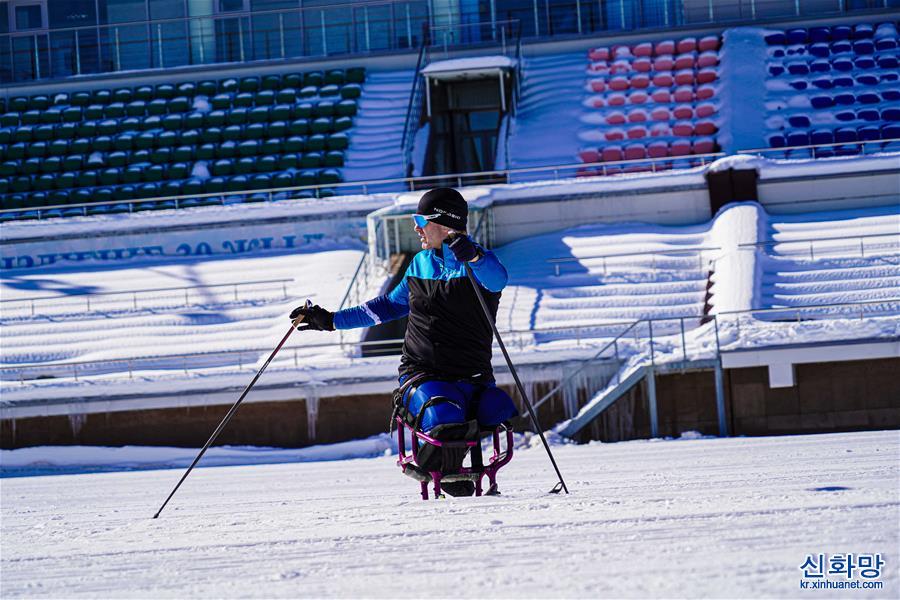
(705, 127)
(621, 52)
(599, 68)
(614, 134)
(598, 102)
(611, 153)
(684, 77)
(598, 85)
(683, 111)
(615, 99)
(705, 92)
(664, 47)
(662, 95)
(618, 83)
(663, 63)
(688, 44)
(642, 64)
(685, 60)
(680, 148)
(637, 115)
(657, 149)
(661, 113)
(640, 81)
(643, 49)
(590, 155)
(620, 67)
(708, 59)
(710, 42)
(637, 132)
(601, 53)
(704, 145)
(684, 94)
(637, 97)
(663, 79)
(635, 151)
(615, 118)
(707, 75)
(683, 129)
(705, 109)
(660, 130)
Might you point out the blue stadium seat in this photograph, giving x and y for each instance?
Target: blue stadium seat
(887, 61)
(823, 83)
(798, 67)
(776, 38)
(845, 135)
(868, 114)
(866, 46)
(890, 114)
(889, 77)
(844, 98)
(797, 84)
(886, 44)
(869, 133)
(868, 98)
(891, 95)
(776, 69)
(864, 62)
(862, 31)
(841, 63)
(890, 131)
(818, 35)
(821, 136)
(866, 79)
(797, 138)
(820, 50)
(843, 81)
(799, 121)
(819, 66)
(798, 35)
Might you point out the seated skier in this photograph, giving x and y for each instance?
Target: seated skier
(445, 369)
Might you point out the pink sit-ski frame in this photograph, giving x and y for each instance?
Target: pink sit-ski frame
(490, 469)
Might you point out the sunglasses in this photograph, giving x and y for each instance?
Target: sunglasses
(422, 220)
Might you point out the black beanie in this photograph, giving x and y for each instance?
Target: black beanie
(449, 206)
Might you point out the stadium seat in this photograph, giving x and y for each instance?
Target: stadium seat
(799, 120)
(821, 136)
(797, 138)
(680, 148)
(869, 133)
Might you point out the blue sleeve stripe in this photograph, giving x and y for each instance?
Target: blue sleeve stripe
(490, 272)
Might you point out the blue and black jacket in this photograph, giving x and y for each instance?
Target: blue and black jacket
(447, 334)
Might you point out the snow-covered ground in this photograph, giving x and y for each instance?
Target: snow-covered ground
(723, 518)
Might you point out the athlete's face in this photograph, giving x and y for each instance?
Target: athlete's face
(432, 235)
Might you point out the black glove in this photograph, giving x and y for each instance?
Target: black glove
(462, 246)
(315, 318)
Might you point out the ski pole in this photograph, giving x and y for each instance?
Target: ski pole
(231, 412)
(512, 369)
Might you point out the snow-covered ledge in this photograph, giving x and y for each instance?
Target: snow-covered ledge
(735, 282)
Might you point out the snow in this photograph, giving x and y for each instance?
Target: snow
(474, 63)
(683, 518)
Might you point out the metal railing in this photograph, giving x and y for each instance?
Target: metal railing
(413, 112)
(185, 290)
(556, 262)
(825, 150)
(809, 245)
(651, 165)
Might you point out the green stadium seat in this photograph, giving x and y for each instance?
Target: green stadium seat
(161, 156)
(148, 190)
(183, 153)
(315, 142)
(87, 129)
(207, 88)
(342, 124)
(108, 127)
(216, 118)
(329, 176)
(172, 122)
(178, 170)
(140, 156)
(151, 122)
(233, 133)
(302, 110)
(165, 91)
(123, 95)
(188, 88)
(276, 129)
(133, 174)
(337, 141)
(255, 131)
(309, 91)
(334, 76)
(58, 148)
(228, 85)
(265, 164)
(295, 143)
(356, 75)
(110, 176)
(20, 184)
(80, 145)
(124, 192)
(114, 110)
(345, 108)
(221, 102)
(325, 108)
(222, 167)
(103, 96)
(159, 106)
(67, 131)
(237, 116)
(168, 139)
(351, 91)
(238, 183)
(51, 164)
(72, 114)
(4, 188)
(145, 140)
(245, 165)
(40, 102)
(37, 149)
(11, 119)
(192, 186)
(80, 98)
(214, 185)
(286, 96)
(272, 146)
(58, 197)
(270, 82)
(299, 127)
(144, 92)
(307, 177)
(261, 181)
(6, 134)
(51, 115)
(288, 161)
(45, 182)
(131, 124)
(325, 193)
(102, 143)
(16, 150)
(154, 173)
(206, 152)
(19, 103)
(117, 158)
(243, 100)
(249, 84)
(104, 194)
(170, 188)
(195, 120)
(265, 98)
(281, 112)
(8, 168)
(333, 158)
(282, 180)
(179, 104)
(123, 141)
(329, 90)
(24, 133)
(136, 108)
(316, 78)
(31, 166)
(311, 160)
(322, 125)
(292, 80)
(73, 162)
(226, 149)
(260, 114)
(248, 148)
(66, 180)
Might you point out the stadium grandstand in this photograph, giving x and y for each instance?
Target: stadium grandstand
(697, 202)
